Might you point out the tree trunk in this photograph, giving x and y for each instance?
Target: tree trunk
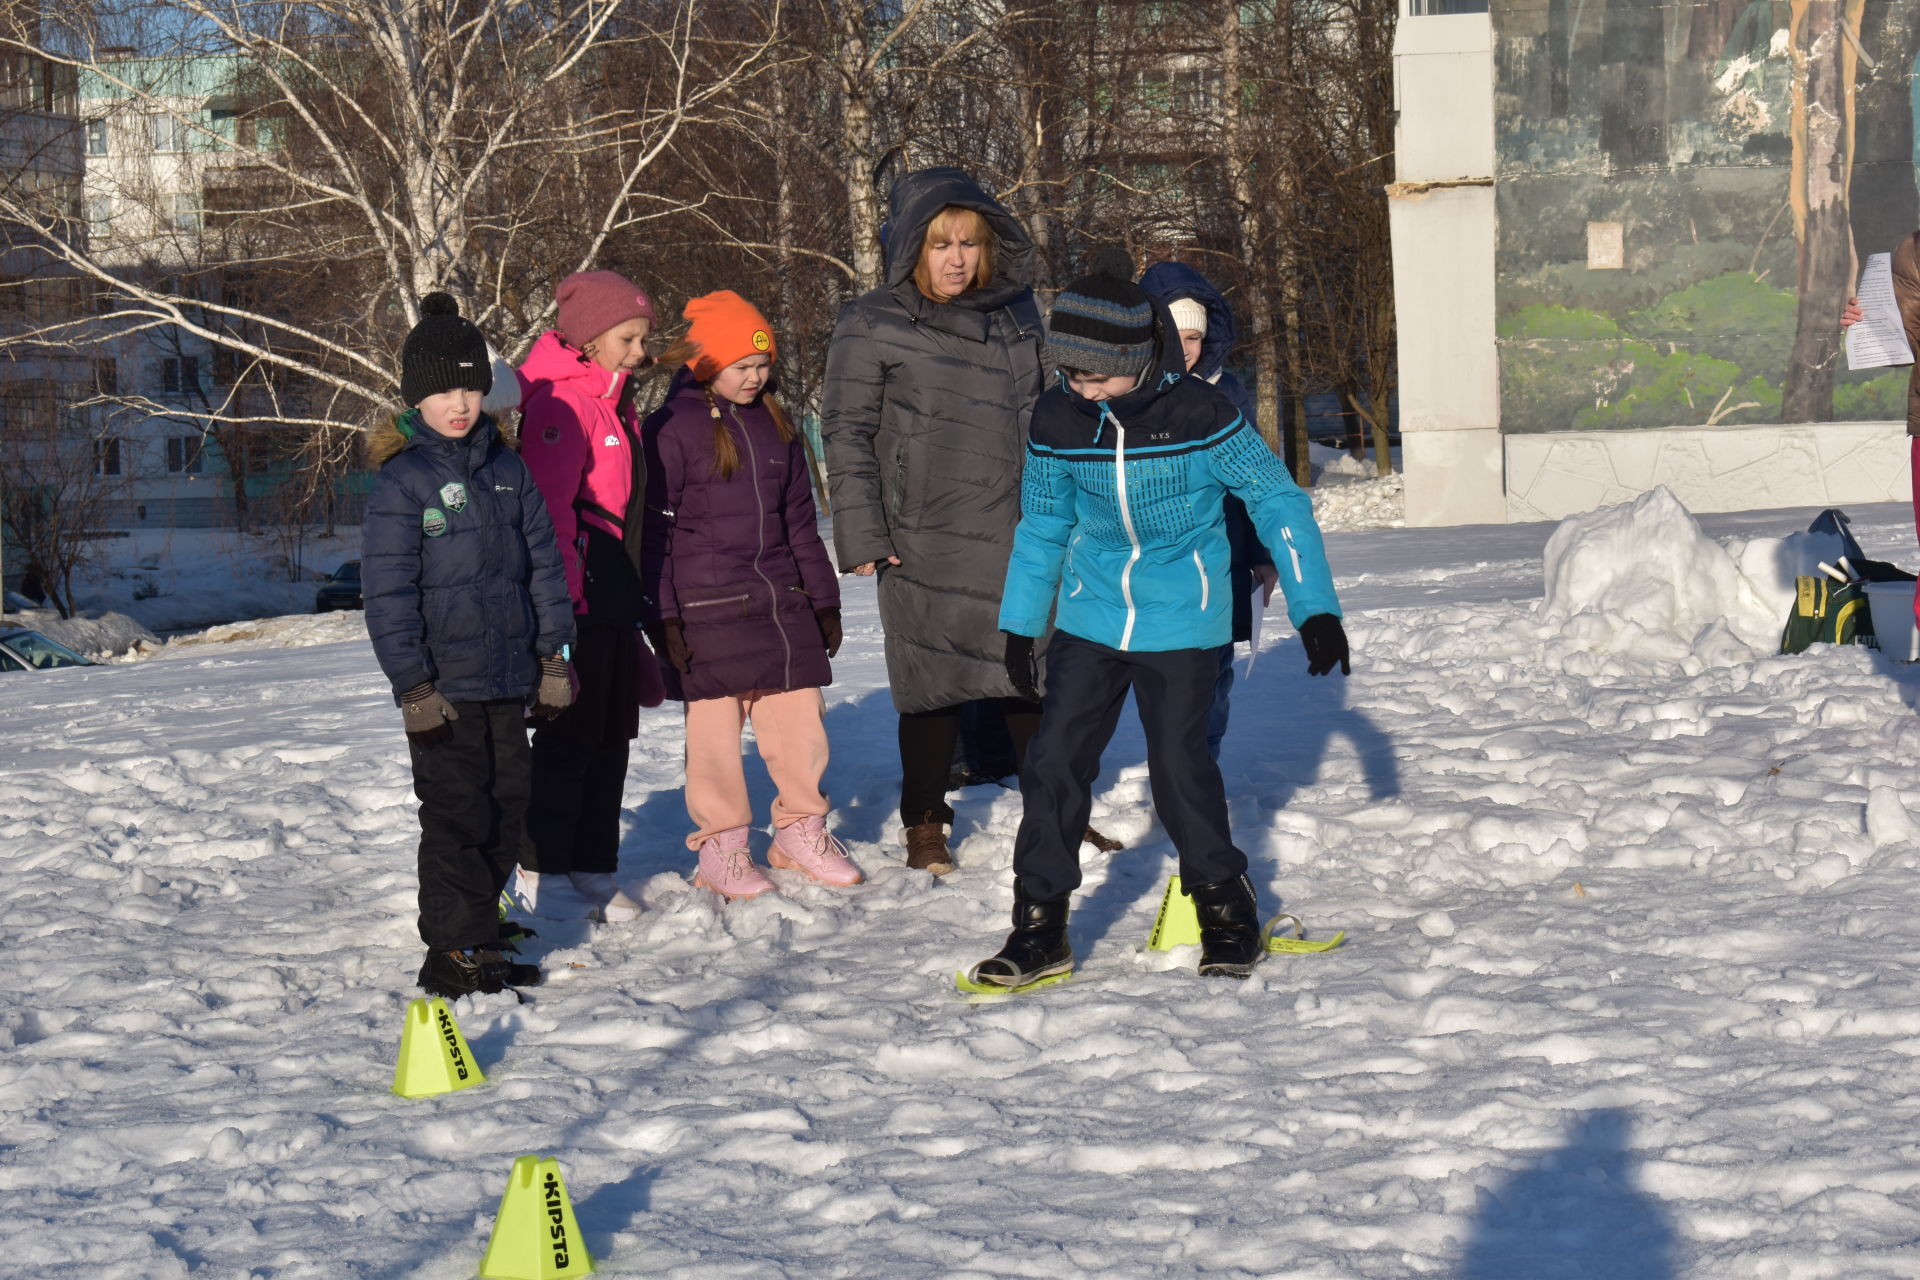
(1823, 66)
(856, 146)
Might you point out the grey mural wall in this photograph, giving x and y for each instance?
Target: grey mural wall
(1686, 191)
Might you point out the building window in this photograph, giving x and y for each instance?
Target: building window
(1443, 8)
(180, 374)
(183, 213)
(106, 376)
(106, 457)
(99, 214)
(184, 455)
(96, 137)
(169, 134)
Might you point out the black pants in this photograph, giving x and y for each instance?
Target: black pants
(580, 759)
(927, 740)
(574, 819)
(473, 803)
(1087, 685)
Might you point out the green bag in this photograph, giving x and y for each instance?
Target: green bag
(1827, 612)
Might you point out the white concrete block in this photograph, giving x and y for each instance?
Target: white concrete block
(1454, 477)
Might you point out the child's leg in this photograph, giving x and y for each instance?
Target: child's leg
(1086, 687)
(927, 740)
(1175, 693)
(1222, 700)
(458, 818)
(791, 731)
(512, 788)
(716, 780)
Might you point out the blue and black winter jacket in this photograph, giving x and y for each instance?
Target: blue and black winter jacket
(1122, 529)
(459, 567)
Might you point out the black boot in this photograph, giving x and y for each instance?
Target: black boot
(452, 974)
(1230, 942)
(1037, 948)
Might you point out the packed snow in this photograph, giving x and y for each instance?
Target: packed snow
(1627, 991)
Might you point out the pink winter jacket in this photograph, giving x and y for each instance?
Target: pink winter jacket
(577, 446)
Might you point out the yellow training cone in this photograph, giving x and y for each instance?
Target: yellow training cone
(1178, 924)
(534, 1234)
(434, 1057)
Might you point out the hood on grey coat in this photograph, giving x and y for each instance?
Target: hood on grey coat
(913, 204)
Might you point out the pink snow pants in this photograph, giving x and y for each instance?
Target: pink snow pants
(791, 731)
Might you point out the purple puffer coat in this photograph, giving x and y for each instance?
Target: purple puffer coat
(737, 560)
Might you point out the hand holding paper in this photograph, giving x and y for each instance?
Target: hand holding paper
(1879, 338)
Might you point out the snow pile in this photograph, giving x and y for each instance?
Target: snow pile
(295, 631)
(1771, 564)
(97, 635)
(1378, 503)
(1642, 579)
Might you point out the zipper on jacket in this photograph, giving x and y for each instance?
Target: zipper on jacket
(1126, 517)
(701, 604)
(1201, 566)
(773, 593)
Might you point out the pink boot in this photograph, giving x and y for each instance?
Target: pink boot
(805, 846)
(727, 868)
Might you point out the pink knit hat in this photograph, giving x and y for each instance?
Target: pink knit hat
(592, 302)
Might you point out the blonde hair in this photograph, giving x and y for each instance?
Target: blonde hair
(956, 222)
(726, 454)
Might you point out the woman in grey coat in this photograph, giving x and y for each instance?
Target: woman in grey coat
(930, 381)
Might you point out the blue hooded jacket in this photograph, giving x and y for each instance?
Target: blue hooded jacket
(1122, 533)
(459, 566)
(1163, 282)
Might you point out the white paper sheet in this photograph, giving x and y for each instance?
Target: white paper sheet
(1880, 339)
(1259, 616)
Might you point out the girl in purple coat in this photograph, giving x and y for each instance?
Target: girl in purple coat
(746, 605)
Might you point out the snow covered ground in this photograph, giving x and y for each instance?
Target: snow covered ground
(1629, 988)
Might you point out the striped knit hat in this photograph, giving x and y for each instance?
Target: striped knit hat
(1102, 323)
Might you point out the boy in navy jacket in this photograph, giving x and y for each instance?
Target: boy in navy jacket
(1123, 541)
(467, 606)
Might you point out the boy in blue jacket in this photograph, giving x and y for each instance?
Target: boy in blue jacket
(1122, 540)
(467, 606)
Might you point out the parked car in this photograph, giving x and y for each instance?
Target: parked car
(341, 591)
(24, 650)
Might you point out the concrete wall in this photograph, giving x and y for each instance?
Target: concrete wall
(1555, 474)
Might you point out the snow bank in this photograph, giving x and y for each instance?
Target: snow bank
(1377, 503)
(1642, 578)
(177, 579)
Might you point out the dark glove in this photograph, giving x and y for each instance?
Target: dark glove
(1020, 666)
(829, 620)
(1326, 642)
(554, 693)
(674, 631)
(426, 715)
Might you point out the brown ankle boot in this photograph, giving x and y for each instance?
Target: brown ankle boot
(1105, 844)
(927, 846)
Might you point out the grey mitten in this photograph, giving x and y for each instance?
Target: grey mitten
(555, 691)
(427, 715)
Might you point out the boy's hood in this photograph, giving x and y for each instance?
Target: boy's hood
(553, 360)
(405, 431)
(1166, 281)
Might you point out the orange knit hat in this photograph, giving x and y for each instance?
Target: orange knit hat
(726, 328)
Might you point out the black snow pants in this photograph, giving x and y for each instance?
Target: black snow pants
(1087, 685)
(473, 804)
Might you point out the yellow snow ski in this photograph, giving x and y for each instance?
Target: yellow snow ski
(971, 987)
(1298, 944)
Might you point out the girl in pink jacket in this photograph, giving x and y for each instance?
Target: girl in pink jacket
(580, 440)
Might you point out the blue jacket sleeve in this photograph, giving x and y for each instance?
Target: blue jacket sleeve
(1039, 545)
(1283, 516)
(547, 585)
(390, 582)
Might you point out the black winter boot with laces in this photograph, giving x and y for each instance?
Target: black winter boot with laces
(452, 974)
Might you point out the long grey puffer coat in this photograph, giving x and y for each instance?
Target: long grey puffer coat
(924, 416)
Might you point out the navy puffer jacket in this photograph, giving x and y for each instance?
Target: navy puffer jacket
(459, 567)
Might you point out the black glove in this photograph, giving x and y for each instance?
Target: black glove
(425, 714)
(1020, 666)
(829, 620)
(1326, 643)
(676, 651)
